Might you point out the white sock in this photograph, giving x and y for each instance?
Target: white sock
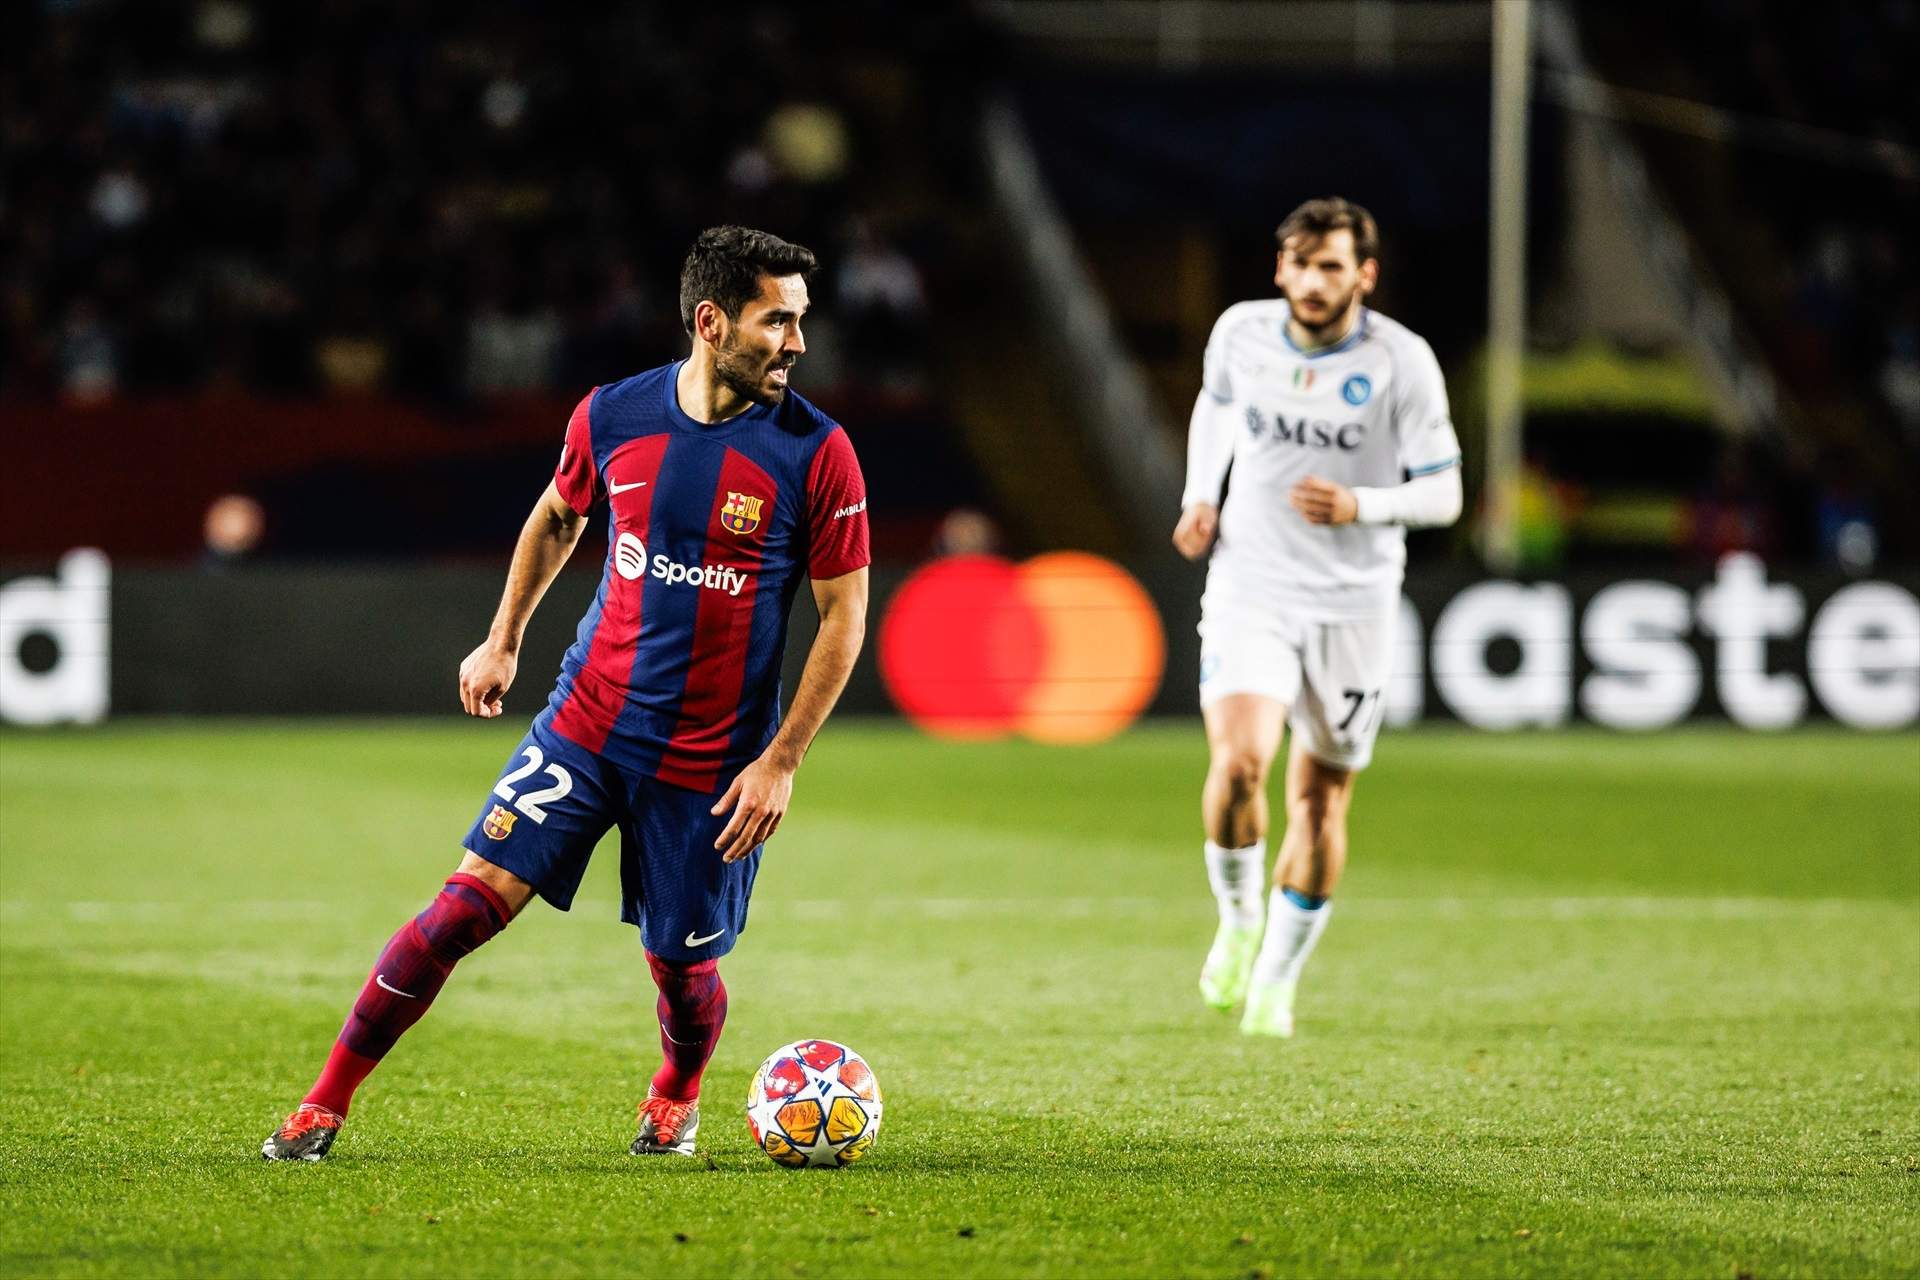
(1236, 876)
(1291, 932)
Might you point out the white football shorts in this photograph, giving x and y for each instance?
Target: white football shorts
(1331, 676)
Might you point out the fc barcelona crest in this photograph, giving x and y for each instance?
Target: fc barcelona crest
(741, 512)
(499, 823)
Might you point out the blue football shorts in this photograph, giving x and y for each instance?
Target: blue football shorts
(553, 803)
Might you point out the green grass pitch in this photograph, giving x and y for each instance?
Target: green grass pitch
(1590, 1006)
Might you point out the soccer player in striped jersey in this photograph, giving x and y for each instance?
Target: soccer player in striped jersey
(722, 490)
(1334, 422)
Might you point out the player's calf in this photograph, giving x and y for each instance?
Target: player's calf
(692, 1009)
(1312, 857)
(409, 973)
(418, 960)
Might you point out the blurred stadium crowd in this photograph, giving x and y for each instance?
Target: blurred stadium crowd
(1800, 188)
(448, 217)
(1857, 273)
(439, 201)
(451, 208)
(1814, 209)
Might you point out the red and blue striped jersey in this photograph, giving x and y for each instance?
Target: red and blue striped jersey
(675, 673)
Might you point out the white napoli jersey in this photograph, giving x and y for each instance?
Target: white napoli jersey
(1367, 411)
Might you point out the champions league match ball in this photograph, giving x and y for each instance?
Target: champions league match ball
(815, 1104)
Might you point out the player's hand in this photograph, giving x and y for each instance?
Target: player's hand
(758, 797)
(1323, 501)
(485, 677)
(1194, 534)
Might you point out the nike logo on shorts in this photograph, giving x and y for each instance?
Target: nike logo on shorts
(381, 978)
(701, 942)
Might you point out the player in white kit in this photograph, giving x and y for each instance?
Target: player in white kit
(1332, 422)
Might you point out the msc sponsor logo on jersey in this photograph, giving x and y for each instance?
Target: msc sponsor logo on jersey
(740, 513)
(499, 823)
(1356, 389)
(1315, 433)
(630, 562)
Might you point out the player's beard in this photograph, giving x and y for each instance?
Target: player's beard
(745, 374)
(1333, 320)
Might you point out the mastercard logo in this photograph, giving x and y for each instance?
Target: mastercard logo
(1065, 647)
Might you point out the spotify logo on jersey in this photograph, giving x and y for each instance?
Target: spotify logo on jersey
(630, 562)
(629, 556)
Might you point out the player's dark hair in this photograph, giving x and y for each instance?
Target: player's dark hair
(1315, 219)
(725, 266)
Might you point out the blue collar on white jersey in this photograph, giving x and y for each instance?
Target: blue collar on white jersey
(1359, 332)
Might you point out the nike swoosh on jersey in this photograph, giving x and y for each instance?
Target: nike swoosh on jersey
(381, 978)
(701, 942)
(614, 486)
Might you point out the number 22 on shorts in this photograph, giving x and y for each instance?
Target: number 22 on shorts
(530, 803)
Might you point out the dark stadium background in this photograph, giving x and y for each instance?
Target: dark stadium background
(297, 297)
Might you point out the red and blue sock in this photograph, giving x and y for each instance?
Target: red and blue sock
(692, 1009)
(409, 973)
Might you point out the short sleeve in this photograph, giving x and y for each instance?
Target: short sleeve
(1422, 421)
(836, 510)
(577, 478)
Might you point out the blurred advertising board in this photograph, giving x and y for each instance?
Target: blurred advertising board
(1062, 648)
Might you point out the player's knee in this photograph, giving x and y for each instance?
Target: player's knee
(465, 915)
(665, 970)
(1243, 770)
(513, 892)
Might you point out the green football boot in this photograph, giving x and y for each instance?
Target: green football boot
(1223, 978)
(1269, 1010)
